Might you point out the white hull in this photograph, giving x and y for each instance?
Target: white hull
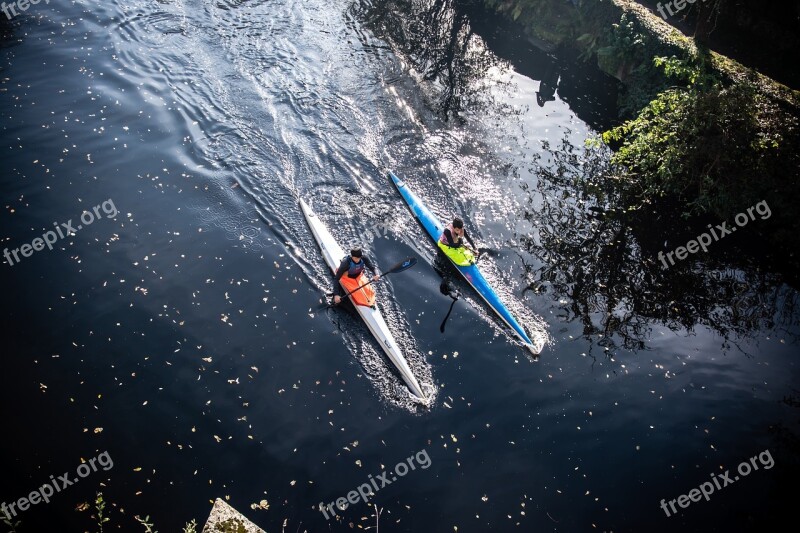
(333, 253)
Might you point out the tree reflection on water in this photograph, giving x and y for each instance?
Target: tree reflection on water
(601, 258)
(436, 37)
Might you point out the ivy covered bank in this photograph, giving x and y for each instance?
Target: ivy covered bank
(695, 126)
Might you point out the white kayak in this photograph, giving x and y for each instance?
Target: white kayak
(333, 254)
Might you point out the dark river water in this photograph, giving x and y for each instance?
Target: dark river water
(178, 332)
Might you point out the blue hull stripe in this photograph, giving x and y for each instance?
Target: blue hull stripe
(471, 273)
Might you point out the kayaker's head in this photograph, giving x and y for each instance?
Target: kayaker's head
(355, 255)
(458, 225)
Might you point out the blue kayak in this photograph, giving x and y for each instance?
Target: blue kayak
(471, 273)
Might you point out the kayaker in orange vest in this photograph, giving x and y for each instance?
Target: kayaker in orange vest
(352, 265)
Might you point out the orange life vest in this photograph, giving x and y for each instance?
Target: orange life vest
(365, 295)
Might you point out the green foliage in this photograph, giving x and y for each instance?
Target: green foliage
(626, 43)
(101, 518)
(553, 21)
(148, 525)
(231, 525)
(716, 148)
(6, 520)
(692, 74)
(100, 506)
(588, 43)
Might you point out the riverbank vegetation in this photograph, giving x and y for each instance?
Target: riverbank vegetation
(697, 128)
(717, 147)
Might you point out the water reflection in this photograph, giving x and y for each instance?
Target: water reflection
(438, 40)
(601, 262)
(547, 86)
(460, 51)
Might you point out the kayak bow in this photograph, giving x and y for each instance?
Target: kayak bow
(333, 253)
(470, 272)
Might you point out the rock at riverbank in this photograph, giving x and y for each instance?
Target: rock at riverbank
(226, 519)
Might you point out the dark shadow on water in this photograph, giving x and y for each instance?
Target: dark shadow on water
(604, 261)
(591, 94)
(453, 44)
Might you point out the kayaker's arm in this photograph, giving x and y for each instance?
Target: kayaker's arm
(449, 238)
(452, 243)
(469, 239)
(337, 287)
(370, 265)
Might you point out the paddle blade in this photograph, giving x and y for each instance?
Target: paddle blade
(405, 264)
(447, 290)
(444, 288)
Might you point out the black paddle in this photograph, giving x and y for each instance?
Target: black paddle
(445, 289)
(480, 252)
(405, 264)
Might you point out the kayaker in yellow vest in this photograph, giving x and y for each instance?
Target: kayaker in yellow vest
(451, 242)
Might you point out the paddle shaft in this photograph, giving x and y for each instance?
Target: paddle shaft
(364, 285)
(441, 328)
(444, 288)
(399, 267)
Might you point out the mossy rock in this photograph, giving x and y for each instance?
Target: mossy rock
(231, 525)
(226, 519)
